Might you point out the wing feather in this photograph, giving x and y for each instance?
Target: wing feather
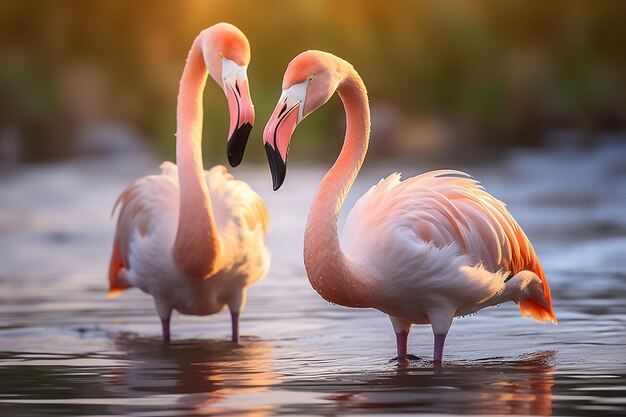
(449, 208)
(234, 200)
(141, 206)
(149, 208)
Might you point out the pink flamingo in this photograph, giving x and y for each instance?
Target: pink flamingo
(195, 239)
(423, 250)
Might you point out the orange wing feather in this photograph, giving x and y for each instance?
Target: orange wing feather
(522, 257)
(134, 204)
(116, 286)
(526, 259)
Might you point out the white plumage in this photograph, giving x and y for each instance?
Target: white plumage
(195, 239)
(147, 228)
(453, 244)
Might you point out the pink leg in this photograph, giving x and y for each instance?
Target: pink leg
(234, 319)
(402, 344)
(439, 341)
(165, 324)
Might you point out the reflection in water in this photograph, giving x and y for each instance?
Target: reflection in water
(200, 373)
(521, 386)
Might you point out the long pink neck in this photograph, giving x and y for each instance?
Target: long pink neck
(197, 246)
(330, 272)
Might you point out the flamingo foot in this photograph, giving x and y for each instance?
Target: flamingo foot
(165, 325)
(234, 318)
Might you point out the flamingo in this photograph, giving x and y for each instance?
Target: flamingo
(195, 239)
(422, 250)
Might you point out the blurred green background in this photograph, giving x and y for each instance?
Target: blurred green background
(447, 79)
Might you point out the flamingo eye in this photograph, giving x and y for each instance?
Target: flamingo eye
(220, 55)
(309, 79)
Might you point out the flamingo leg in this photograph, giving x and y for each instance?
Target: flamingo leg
(401, 328)
(165, 312)
(438, 351)
(234, 321)
(235, 305)
(165, 325)
(402, 344)
(440, 320)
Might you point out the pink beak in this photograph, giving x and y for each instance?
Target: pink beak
(241, 118)
(276, 138)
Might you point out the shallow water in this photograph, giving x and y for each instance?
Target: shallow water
(68, 350)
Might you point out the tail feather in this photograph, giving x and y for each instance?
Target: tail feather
(116, 285)
(537, 311)
(535, 300)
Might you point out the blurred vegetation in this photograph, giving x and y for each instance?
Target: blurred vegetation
(440, 73)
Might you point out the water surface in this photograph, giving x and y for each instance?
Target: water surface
(68, 350)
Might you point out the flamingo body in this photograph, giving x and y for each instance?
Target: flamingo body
(439, 242)
(195, 239)
(146, 232)
(423, 250)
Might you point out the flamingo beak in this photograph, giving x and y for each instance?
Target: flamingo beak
(280, 128)
(241, 110)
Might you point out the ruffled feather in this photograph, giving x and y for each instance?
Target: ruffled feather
(441, 210)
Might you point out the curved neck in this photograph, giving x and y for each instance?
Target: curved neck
(330, 272)
(197, 245)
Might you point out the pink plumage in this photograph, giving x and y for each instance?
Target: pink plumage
(422, 250)
(195, 239)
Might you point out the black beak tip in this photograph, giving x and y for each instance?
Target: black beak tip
(237, 144)
(278, 167)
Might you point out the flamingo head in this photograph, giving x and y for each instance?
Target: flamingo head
(226, 53)
(309, 82)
